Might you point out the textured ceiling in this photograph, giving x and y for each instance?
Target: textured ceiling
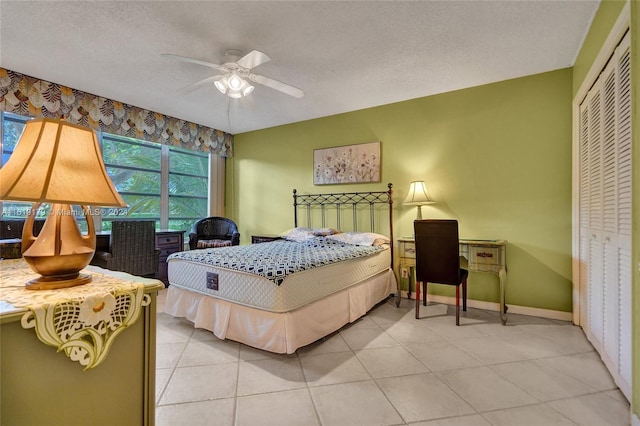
(344, 55)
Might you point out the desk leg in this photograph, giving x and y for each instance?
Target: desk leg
(417, 300)
(410, 280)
(503, 307)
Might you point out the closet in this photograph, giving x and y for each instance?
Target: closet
(604, 215)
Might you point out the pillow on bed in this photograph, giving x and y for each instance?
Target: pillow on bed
(304, 234)
(361, 238)
(298, 234)
(323, 232)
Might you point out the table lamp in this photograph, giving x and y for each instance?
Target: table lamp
(58, 163)
(418, 196)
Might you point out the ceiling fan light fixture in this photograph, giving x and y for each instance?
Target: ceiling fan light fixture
(247, 90)
(234, 86)
(235, 77)
(235, 82)
(221, 85)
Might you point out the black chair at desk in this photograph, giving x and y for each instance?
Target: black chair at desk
(438, 260)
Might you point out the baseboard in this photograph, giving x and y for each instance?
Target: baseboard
(494, 306)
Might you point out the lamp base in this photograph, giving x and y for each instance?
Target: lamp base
(60, 251)
(54, 283)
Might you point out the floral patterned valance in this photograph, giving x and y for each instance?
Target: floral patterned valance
(33, 97)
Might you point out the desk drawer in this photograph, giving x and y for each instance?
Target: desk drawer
(484, 255)
(407, 250)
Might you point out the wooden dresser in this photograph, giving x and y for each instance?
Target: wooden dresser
(41, 385)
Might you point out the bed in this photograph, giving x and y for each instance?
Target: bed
(281, 295)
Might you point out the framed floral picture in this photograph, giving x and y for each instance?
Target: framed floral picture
(347, 164)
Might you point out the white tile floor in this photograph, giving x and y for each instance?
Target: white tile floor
(390, 369)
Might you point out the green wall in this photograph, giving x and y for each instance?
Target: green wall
(601, 26)
(496, 157)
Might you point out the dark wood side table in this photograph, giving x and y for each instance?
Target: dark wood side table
(265, 238)
(168, 241)
(10, 248)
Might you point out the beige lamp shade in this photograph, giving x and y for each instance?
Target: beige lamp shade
(418, 195)
(58, 162)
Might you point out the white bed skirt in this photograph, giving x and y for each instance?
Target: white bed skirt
(280, 332)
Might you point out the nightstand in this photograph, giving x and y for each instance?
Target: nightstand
(168, 241)
(265, 238)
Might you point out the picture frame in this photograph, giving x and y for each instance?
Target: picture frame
(358, 163)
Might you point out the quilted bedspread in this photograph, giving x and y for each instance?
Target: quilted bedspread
(277, 259)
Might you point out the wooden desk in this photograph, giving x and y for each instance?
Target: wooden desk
(480, 255)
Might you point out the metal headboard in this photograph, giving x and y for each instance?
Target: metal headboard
(358, 202)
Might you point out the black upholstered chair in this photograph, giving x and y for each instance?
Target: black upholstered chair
(132, 248)
(438, 260)
(214, 232)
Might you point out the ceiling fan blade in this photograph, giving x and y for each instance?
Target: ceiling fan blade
(253, 59)
(277, 85)
(200, 83)
(195, 61)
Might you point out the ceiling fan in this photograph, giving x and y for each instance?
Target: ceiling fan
(234, 81)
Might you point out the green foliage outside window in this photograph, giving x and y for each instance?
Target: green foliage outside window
(188, 188)
(12, 127)
(135, 167)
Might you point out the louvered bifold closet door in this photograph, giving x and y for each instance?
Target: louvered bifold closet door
(624, 166)
(591, 222)
(609, 239)
(605, 215)
(583, 213)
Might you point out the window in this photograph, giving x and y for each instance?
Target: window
(158, 182)
(12, 127)
(188, 187)
(135, 169)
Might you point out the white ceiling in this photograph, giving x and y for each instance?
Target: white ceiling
(345, 55)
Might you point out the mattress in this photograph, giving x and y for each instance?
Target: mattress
(257, 291)
(279, 332)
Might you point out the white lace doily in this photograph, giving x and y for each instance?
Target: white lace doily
(82, 321)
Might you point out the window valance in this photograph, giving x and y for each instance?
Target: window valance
(33, 97)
